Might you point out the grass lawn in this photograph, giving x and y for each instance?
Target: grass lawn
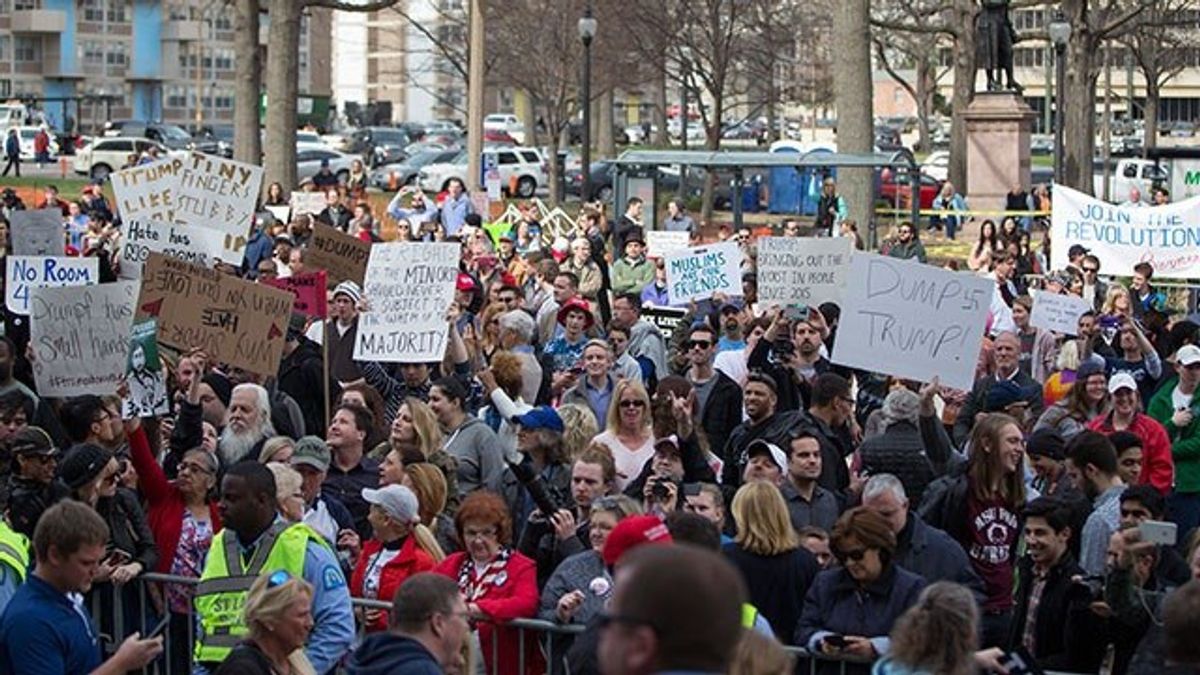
(69, 188)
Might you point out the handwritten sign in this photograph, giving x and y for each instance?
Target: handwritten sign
(280, 213)
(37, 232)
(409, 287)
(1167, 237)
(147, 190)
(238, 322)
(910, 320)
(201, 246)
(802, 270)
(219, 193)
(308, 289)
(700, 272)
(25, 272)
(662, 243)
(310, 203)
(1059, 313)
(143, 374)
(343, 256)
(666, 319)
(80, 337)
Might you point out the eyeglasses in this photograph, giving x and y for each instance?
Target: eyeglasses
(192, 467)
(278, 578)
(1092, 270)
(633, 403)
(856, 555)
(469, 535)
(702, 344)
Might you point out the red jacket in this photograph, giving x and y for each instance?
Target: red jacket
(515, 598)
(1158, 469)
(411, 559)
(166, 505)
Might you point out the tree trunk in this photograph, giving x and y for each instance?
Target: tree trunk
(712, 141)
(963, 92)
(247, 63)
(659, 137)
(852, 72)
(772, 113)
(552, 160)
(283, 73)
(1079, 105)
(924, 104)
(529, 119)
(1150, 113)
(607, 145)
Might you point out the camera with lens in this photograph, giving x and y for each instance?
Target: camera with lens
(544, 496)
(658, 488)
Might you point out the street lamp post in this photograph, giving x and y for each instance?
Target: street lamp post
(1060, 34)
(587, 31)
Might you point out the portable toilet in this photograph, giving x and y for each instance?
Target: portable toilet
(786, 190)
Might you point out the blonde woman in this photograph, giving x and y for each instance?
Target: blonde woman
(777, 569)
(428, 483)
(416, 427)
(628, 434)
(579, 428)
(936, 636)
(288, 495)
(277, 449)
(278, 614)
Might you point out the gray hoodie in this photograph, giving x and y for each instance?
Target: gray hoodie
(479, 454)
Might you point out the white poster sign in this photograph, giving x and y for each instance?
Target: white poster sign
(1167, 237)
(699, 273)
(408, 288)
(310, 203)
(25, 272)
(660, 243)
(36, 232)
(80, 337)
(201, 246)
(802, 270)
(221, 194)
(1059, 313)
(148, 190)
(910, 320)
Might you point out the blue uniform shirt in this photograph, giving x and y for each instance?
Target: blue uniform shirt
(45, 632)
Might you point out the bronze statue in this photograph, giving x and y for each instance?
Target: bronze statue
(996, 37)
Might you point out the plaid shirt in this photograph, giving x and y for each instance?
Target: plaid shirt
(1029, 635)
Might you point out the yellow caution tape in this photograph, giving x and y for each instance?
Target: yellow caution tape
(969, 212)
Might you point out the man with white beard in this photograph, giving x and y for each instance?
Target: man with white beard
(248, 424)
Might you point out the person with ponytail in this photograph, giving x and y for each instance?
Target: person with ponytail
(398, 551)
(936, 636)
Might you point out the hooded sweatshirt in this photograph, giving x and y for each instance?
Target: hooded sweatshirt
(479, 454)
(387, 653)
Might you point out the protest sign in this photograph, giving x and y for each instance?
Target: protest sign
(310, 203)
(37, 232)
(26, 272)
(308, 289)
(1167, 237)
(802, 270)
(914, 321)
(219, 193)
(666, 319)
(147, 384)
(80, 337)
(1059, 313)
(661, 243)
(409, 288)
(343, 256)
(201, 246)
(148, 190)
(280, 213)
(238, 322)
(698, 273)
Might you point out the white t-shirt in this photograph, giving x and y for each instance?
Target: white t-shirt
(1180, 400)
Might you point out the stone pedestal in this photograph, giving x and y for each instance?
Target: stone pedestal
(998, 128)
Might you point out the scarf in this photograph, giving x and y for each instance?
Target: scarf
(493, 574)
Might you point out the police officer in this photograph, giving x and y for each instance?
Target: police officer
(256, 540)
(14, 562)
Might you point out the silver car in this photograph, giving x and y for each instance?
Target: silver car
(308, 163)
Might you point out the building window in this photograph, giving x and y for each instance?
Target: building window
(93, 10)
(5, 46)
(118, 11)
(224, 59)
(92, 52)
(6, 88)
(117, 54)
(26, 49)
(176, 96)
(223, 22)
(27, 4)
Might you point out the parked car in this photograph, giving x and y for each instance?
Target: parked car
(378, 145)
(498, 137)
(1041, 144)
(887, 139)
(170, 135)
(895, 188)
(443, 127)
(221, 134)
(26, 135)
(937, 165)
(604, 172)
(575, 134)
(506, 122)
(525, 165)
(308, 162)
(1183, 129)
(103, 156)
(695, 130)
(309, 140)
(405, 172)
(636, 134)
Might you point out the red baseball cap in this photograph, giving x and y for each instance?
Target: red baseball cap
(633, 532)
(465, 282)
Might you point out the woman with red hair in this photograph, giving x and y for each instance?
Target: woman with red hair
(497, 583)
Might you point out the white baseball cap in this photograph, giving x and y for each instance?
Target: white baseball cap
(1187, 355)
(1121, 381)
(397, 501)
(761, 447)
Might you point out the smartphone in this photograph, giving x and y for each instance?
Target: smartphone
(1158, 532)
(118, 557)
(836, 641)
(797, 312)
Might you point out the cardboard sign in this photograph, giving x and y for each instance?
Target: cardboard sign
(144, 376)
(667, 319)
(343, 256)
(308, 289)
(700, 272)
(26, 272)
(37, 232)
(802, 270)
(663, 243)
(914, 321)
(80, 337)
(234, 321)
(310, 203)
(1121, 236)
(409, 288)
(148, 190)
(281, 213)
(219, 193)
(202, 246)
(1059, 313)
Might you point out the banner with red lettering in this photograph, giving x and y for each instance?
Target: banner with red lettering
(309, 290)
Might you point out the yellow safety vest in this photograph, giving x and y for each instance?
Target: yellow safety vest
(14, 550)
(749, 615)
(225, 581)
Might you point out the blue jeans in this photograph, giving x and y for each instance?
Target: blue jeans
(1184, 508)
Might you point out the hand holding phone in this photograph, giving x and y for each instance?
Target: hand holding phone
(1158, 532)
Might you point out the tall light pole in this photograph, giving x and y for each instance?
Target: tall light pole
(1060, 34)
(587, 31)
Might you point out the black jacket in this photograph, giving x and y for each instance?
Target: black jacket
(836, 446)
(301, 376)
(931, 553)
(28, 499)
(1064, 620)
(722, 412)
(900, 451)
(129, 531)
(339, 218)
(386, 653)
(774, 429)
(340, 349)
(777, 584)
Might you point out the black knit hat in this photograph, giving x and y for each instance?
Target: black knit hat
(1046, 443)
(220, 385)
(82, 464)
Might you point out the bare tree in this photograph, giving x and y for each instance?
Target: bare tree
(910, 51)
(1161, 44)
(247, 142)
(855, 130)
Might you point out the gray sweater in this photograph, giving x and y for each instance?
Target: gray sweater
(581, 572)
(479, 455)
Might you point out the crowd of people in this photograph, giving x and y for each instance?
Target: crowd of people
(379, 517)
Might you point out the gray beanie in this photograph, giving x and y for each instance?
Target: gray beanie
(901, 405)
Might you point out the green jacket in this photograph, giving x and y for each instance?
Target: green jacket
(914, 249)
(1185, 443)
(631, 277)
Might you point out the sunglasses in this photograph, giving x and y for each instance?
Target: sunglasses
(633, 403)
(856, 555)
(702, 344)
(1093, 270)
